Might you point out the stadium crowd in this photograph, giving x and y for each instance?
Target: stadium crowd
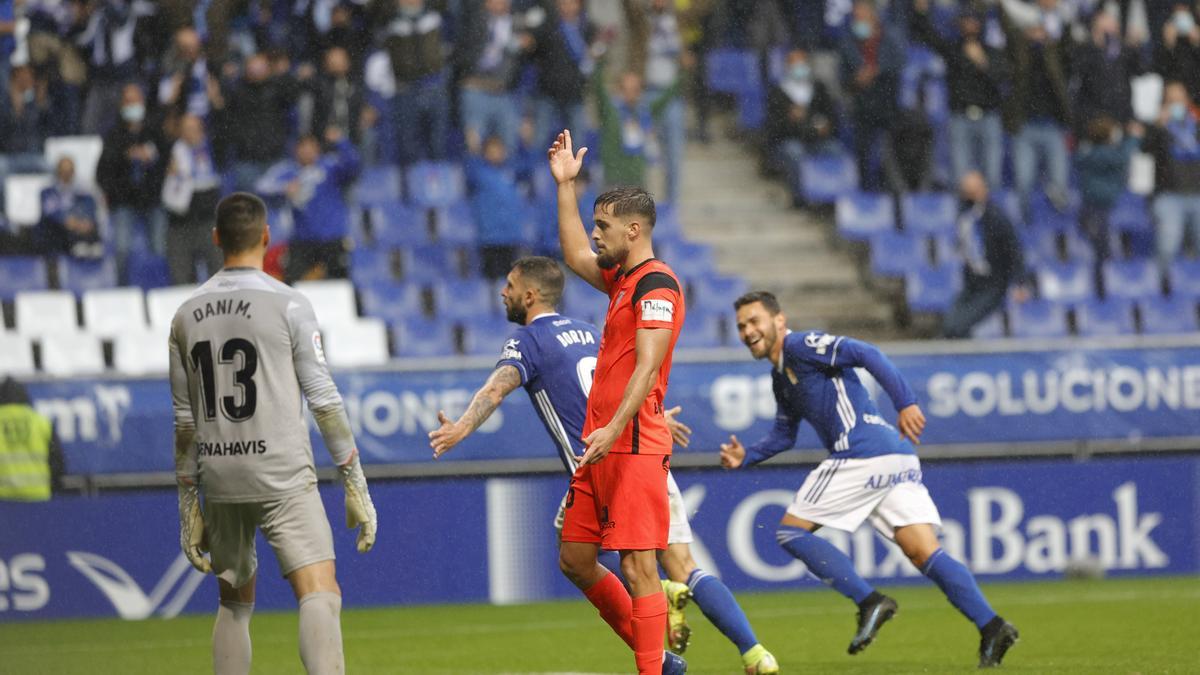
(294, 99)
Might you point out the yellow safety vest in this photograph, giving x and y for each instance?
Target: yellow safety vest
(24, 454)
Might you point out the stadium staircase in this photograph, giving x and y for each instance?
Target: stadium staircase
(755, 233)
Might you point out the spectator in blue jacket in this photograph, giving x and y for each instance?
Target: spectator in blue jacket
(495, 205)
(68, 222)
(314, 186)
(1102, 163)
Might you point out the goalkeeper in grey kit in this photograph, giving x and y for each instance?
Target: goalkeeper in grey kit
(244, 349)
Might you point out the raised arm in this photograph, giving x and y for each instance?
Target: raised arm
(572, 237)
(503, 381)
(191, 521)
(652, 345)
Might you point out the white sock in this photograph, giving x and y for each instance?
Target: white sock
(231, 638)
(321, 634)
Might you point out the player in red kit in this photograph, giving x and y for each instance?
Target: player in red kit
(618, 495)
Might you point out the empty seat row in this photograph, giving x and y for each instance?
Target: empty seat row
(1093, 318)
(79, 354)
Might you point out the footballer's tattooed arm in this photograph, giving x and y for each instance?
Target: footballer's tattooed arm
(502, 382)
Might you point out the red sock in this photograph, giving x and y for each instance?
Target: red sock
(649, 626)
(612, 600)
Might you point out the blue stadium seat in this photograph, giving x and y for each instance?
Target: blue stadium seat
(372, 265)
(485, 335)
(1133, 279)
(464, 298)
(1041, 247)
(895, 253)
(429, 262)
(702, 330)
(928, 212)
(824, 178)
(688, 259)
(732, 71)
(84, 275)
(1037, 319)
(991, 328)
(712, 292)
(581, 301)
(394, 224)
(862, 215)
(22, 273)
(1066, 282)
(1078, 248)
(1111, 316)
(391, 301)
(421, 336)
(435, 184)
(1171, 315)
(1185, 278)
(378, 185)
(454, 224)
(667, 226)
(1131, 214)
(752, 109)
(933, 289)
(1044, 215)
(146, 270)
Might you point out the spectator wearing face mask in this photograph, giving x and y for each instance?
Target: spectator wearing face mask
(130, 173)
(975, 74)
(1104, 67)
(801, 118)
(68, 224)
(1174, 142)
(872, 58)
(24, 124)
(1177, 57)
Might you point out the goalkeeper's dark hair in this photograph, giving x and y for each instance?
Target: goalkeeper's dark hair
(545, 275)
(629, 201)
(241, 219)
(767, 298)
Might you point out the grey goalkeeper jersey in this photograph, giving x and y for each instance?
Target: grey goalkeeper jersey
(245, 352)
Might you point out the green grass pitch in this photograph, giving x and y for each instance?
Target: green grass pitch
(1109, 626)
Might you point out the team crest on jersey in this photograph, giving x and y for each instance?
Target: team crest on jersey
(654, 309)
(510, 350)
(318, 348)
(819, 343)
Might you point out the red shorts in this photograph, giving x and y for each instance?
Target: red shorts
(620, 503)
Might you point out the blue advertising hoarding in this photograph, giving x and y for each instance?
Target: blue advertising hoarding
(481, 539)
(1128, 395)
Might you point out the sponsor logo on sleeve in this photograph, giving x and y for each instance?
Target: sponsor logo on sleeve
(318, 349)
(654, 309)
(511, 351)
(819, 343)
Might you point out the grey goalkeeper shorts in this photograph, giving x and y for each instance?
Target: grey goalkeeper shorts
(296, 528)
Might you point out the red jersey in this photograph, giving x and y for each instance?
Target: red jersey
(647, 296)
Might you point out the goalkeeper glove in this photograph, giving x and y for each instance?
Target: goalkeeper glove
(360, 511)
(191, 527)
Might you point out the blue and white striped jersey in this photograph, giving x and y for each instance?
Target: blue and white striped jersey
(815, 381)
(556, 357)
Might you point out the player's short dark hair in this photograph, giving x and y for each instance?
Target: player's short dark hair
(241, 218)
(629, 201)
(545, 274)
(767, 298)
